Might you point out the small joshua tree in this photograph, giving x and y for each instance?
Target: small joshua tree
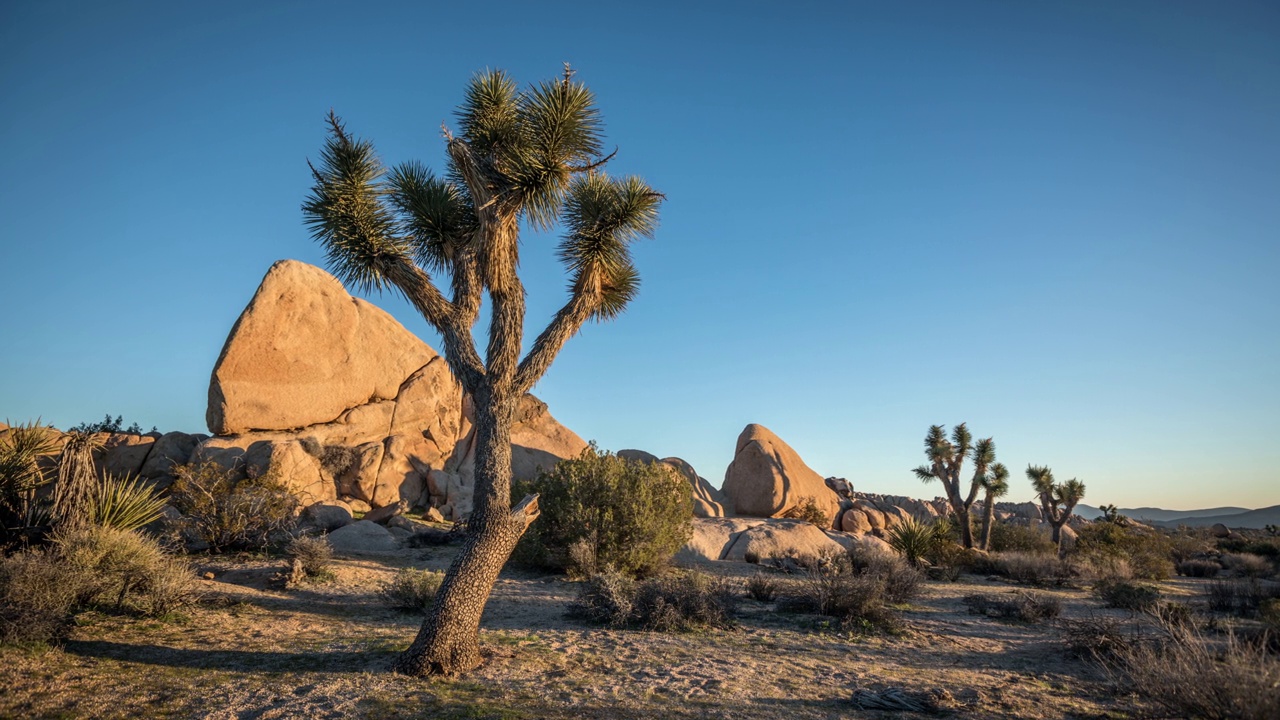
(996, 484)
(1057, 500)
(946, 461)
(1111, 514)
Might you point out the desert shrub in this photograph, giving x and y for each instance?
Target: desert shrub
(1199, 568)
(1126, 595)
(37, 595)
(675, 601)
(1252, 543)
(124, 570)
(913, 540)
(108, 425)
(1021, 605)
(314, 554)
(1190, 544)
(1243, 597)
(1190, 675)
(1247, 565)
(763, 587)
(123, 503)
(1148, 552)
(858, 596)
(229, 514)
(1031, 568)
(619, 514)
(810, 511)
(949, 558)
(412, 590)
(1008, 537)
(1093, 638)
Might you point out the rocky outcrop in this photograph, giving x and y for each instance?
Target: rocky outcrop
(708, 502)
(767, 478)
(762, 540)
(340, 401)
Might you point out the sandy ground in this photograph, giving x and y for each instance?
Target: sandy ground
(252, 650)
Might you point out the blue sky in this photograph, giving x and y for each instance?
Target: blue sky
(1058, 222)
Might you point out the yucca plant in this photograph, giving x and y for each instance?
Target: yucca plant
(123, 503)
(527, 157)
(77, 479)
(913, 540)
(21, 448)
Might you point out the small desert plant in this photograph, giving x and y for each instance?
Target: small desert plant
(1199, 568)
(1248, 565)
(763, 587)
(1093, 638)
(1243, 597)
(621, 514)
(108, 425)
(123, 503)
(412, 590)
(314, 554)
(1190, 675)
(37, 596)
(913, 540)
(810, 511)
(671, 602)
(1126, 595)
(1008, 537)
(231, 514)
(1021, 605)
(1031, 568)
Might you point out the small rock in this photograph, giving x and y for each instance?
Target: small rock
(327, 516)
(433, 515)
(362, 537)
(383, 514)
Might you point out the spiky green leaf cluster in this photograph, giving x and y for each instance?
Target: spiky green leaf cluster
(124, 503)
(602, 217)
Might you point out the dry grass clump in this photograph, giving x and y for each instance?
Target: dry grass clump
(1248, 565)
(36, 599)
(1127, 595)
(1190, 675)
(412, 590)
(763, 587)
(676, 601)
(1244, 597)
(1198, 568)
(314, 554)
(1021, 605)
(1039, 569)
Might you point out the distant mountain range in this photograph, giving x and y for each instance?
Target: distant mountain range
(1235, 517)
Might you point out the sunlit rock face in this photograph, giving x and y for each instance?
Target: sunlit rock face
(767, 478)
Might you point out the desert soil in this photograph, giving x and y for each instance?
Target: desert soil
(253, 650)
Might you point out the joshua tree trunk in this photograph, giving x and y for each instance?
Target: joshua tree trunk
(988, 515)
(449, 640)
(966, 530)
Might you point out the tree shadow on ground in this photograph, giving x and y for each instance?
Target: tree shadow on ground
(371, 658)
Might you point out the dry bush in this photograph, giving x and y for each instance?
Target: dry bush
(124, 570)
(1093, 638)
(763, 587)
(1021, 605)
(1248, 565)
(1199, 568)
(1031, 568)
(1190, 675)
(37, 596)
(412, 590)
(229, 514)
(315, 554)
(1126, 595)
(857, 593)
(1244, 597)
(810, 511)
(676, 601)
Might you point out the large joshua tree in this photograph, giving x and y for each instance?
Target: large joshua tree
(996, 484)
(1057, 500)
(946, 463)
(531, 157)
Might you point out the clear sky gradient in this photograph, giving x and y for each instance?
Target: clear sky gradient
(1059, 222)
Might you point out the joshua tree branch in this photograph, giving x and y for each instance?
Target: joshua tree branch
(567, 322)
(460, 350)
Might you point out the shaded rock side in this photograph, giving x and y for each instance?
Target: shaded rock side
(767, 478)
(304, 351)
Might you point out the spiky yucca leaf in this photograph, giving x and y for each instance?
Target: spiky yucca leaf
(996, 482)
(1069, 493)
(435, 214)
(961, 438)
(124, 503)
(346, 213)
(1041, 478)
(913, 540)
(20, 450)
(984, 452)
(925, 473)
(563, 128)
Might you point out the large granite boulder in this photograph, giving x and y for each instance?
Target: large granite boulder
(304, 352)
(708, 502)
(767, 478)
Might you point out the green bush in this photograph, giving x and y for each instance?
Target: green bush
(811, 512)
(1007, 537)
(1148, 552)
(602, 512)
(123, 503)
(412, 590)
(229, 514)
(676, 601)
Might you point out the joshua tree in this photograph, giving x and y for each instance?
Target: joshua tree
(528, 156)
(1111, 514)
(996, 484)
(1057, 500)
(946, 461)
